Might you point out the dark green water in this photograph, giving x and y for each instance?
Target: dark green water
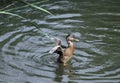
(24, 56)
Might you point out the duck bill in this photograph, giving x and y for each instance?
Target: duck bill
(76, 39)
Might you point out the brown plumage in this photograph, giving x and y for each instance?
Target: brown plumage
(65, 53)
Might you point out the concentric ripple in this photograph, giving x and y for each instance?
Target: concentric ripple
(24, 48)
(23, 52)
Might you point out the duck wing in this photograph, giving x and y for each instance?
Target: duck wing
(64, 47)
(56, 49)
(59, 48)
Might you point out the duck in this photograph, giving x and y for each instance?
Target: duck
(65, 52)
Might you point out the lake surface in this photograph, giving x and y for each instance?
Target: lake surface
(24, 48)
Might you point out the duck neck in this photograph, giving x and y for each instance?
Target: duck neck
(70, 45)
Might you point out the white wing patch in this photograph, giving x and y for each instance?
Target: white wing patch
(54, 49)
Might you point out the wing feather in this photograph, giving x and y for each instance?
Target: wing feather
(54, 49)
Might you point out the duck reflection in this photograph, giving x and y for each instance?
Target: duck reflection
(64, 73)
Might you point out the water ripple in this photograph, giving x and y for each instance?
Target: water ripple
(24, 56)
(64, 16)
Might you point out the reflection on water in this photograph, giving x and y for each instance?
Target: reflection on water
(24, 56)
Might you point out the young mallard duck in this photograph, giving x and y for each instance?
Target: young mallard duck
(65, 53)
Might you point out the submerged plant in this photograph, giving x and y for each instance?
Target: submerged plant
(8, 12)
(36, 7)
(13, 14)
(26, 4)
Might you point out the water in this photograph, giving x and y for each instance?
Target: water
(24, 56)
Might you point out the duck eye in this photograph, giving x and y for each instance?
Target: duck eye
(73, 36)
(68, 42)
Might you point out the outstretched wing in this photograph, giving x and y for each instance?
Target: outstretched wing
(55, 49)
(59, 48)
